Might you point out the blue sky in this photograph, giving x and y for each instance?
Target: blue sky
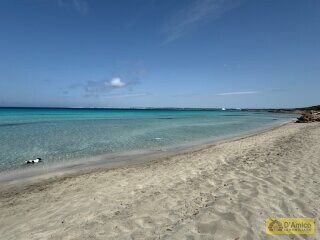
(157, 53)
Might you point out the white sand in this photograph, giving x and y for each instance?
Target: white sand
(223, 191)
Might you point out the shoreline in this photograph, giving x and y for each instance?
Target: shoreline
(225, 190)
(76, 167)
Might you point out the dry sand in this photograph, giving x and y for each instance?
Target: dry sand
(223, 191)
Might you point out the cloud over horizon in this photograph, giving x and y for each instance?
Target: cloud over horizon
(95, 88)
(126, 95)
(126, 75)
(238, 93)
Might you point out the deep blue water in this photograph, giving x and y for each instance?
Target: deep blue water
(64, 134)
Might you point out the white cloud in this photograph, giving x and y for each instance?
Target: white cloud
(115, 82)
(126, 95)
(193, 15)
(238, 93)
(97, 88)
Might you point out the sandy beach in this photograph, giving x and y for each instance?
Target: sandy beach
(225, 190)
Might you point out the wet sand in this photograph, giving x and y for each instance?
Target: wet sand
(221, 191)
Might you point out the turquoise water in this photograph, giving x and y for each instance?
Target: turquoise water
(63, 134)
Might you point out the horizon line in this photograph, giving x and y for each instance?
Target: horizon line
(155, 108)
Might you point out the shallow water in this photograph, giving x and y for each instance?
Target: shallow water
(58, 135)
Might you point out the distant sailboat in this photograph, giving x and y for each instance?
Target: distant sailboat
(223, 109)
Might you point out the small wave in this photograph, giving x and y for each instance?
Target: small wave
(14, 124)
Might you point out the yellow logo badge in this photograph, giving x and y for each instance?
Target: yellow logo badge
(290, 226)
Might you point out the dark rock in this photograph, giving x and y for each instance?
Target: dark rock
(309, 116)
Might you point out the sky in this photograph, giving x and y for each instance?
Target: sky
(160, 53)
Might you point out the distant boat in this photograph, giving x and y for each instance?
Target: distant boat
(223, 109)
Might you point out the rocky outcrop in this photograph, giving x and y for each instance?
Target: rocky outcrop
(309, 116)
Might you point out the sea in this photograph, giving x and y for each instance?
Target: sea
(61, 135)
